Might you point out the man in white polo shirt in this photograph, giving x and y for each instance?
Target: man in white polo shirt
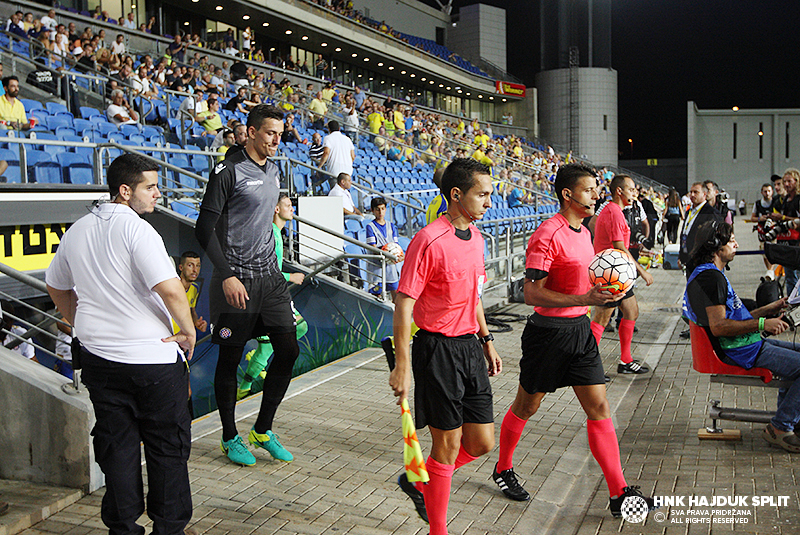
(112, 272)
(338, 152)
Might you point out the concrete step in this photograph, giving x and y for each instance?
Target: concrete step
(30, 503)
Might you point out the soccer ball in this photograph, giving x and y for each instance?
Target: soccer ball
(393, 248)
(614, 270)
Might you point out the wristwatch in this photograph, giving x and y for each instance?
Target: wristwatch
(488, 338)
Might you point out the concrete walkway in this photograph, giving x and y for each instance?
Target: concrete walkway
(343, 427)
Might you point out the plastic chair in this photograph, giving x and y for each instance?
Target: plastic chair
(77, 168)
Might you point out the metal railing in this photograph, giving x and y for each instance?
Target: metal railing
(39, 329)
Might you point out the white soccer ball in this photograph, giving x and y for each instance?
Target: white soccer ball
(614, 270)
(393, 248)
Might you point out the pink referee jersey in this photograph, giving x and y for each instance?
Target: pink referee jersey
(445, 275)
(564, 253)
(610, 227)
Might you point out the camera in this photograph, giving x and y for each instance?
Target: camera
(792, 317)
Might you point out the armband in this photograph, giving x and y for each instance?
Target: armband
(761, 322)
(535, 274)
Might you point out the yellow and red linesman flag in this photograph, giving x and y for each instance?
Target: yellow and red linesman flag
(412, 453)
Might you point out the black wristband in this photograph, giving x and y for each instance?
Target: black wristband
(484, 339)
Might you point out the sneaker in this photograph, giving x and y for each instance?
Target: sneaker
(684, 334)
(615, 504)
(269, 441)
(388, 349)
(242, 393)
(606, 378)
(633, 366)
(237, 452)
(610, 327)
(788, 441)
(416, 496)
(507, 481)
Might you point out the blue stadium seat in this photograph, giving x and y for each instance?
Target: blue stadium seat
(185, 209)
(42, 168)
(55, 107)
(12, 174)
(129, 129)
(31, 104)
(81, 124)
(87, 112)
(116, 136)
(356, 265)
(77, 168)
(63, 131)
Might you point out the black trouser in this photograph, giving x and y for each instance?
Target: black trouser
(146, 403)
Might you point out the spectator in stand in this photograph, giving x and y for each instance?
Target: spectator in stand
(15, 25)
(327, 93)
(316, 150)
(318, 109)
(320, 67)
(342, 189)
(176, 49)
(290, 133)
(211, 120)
(49, 22)
(240, 137)
(360, 97)
(350, 119)
(12, 111)
(237, 102)
(143, 85)
(86, 62)
(228, 141)
(247, 36)
(380, 140)
(102, 36)
(339, 153)
(231, 50)
(130, 22)
(118, 47)
(218, 81)
(7, 323)
(119, 111)
(194, 105)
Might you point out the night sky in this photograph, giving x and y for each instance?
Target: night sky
(667, 52)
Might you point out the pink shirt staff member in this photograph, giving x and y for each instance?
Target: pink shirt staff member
(442, 283)
(558, 349)
(612, 231)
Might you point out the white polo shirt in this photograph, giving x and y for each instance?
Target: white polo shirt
(340, 159)
(113, 258)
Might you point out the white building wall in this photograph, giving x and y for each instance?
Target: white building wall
(597, 112)
(408, 16)
(710, 151)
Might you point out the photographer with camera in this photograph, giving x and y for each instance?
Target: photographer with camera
(735, 333)
(785, 210)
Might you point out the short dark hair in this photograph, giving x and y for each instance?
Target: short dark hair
(711, 237)
(261, 113)
(187, 254)
(460, 173)
(128, 169)
(333, 126)
(341, 177)
(282, 195)
(376, 201)
(617, 182)
(7, 80)
(568, 176)
(766, 185)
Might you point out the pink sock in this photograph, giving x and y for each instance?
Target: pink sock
(463, 457)
(597, 331)
(625, 339)
(437, 494)
(605, 449)
(510, 431)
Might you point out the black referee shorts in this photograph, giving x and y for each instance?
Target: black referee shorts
(269, 311)
(451, 381)
(559, 352)
(615, 304)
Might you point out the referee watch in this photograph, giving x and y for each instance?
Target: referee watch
(483, 339)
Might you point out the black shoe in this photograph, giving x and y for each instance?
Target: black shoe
(685, 334)
(609, 328)
(416, 496)
(388, 349)
(507, 481)
(607, 378)
(615, 504)
(633, 366)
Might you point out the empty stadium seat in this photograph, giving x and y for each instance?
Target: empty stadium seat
(87, 112)
(55, 107)
(76, 168)
(42, 168)
(185, 209)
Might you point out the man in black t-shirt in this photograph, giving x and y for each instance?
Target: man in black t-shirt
(711, 303)
(236, 103)
(249, 297)
(787, 210)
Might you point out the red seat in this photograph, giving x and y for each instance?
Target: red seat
(705, 359)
